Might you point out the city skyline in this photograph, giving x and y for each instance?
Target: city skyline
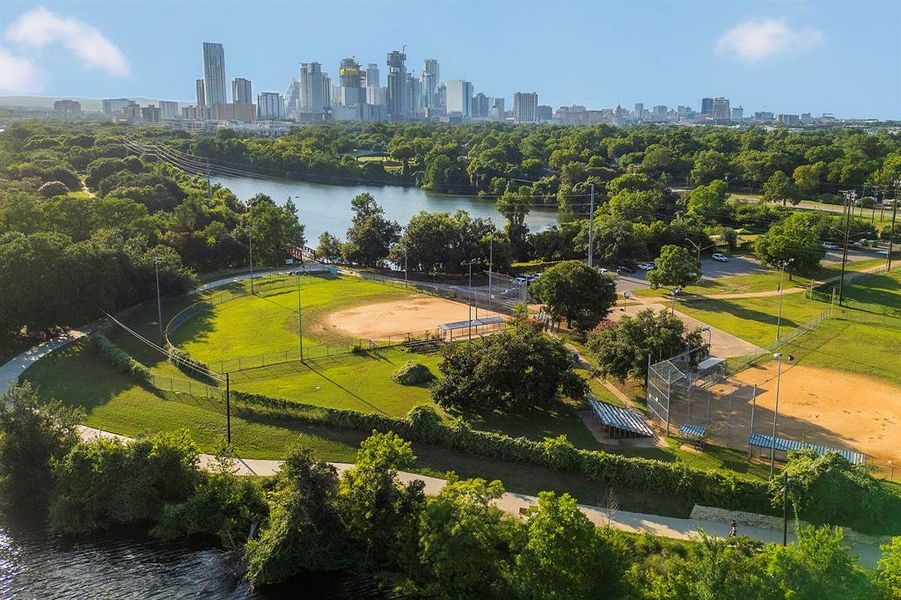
(732, 55)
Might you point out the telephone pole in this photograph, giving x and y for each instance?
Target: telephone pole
(891, 235)
(591, 230)
(850, 196)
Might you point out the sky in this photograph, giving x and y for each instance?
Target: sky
(792, 57)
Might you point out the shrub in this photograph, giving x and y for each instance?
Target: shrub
(413, 373)
(118, 358)
(189, 366)
(53, 188)
(426, 423)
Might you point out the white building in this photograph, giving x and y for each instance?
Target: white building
(168, 109)
(270, 106)
(459, 97)
(525, 107)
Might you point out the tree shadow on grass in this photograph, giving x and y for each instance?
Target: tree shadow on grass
(737, 310)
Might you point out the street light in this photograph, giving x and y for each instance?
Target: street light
(782, 266)
(159, 303)
(675, 291)
(709, 334)
(627, 295)
(778, 357)
(469, 263)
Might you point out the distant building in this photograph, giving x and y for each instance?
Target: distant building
(459, 97)
(292, 98)
(806, 118)
(377, 96)
(242, 91)
(659, 113)
(199, 87)
(707, 106)
(132, 113)
(431, 75)
(315, 92)
(737, 113)
(789, 120)
(721, 111)
(764, 116)
(372, 75)
(545, 112)
(67, 109)
(151, 114)
(638, 113)
(231, 111)
(525, 107)
(195, 113)
(352, 93)
(168, 109)
(396, 74)
(270, 106)
(496, 111)
(214, 74)
(480, 106)
(115, 105)
(412, 95)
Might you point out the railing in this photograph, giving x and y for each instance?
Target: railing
(740, 363)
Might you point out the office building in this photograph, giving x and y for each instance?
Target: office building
(396, 74)
(377, 96)
(659, 113)
(233, 111)
(442, 98)
(132, 113)
(789, 120)
(545, 112)
(270, 106)
(721, 111)
(459, 97)
(481, 107)
(706, 106)
(372, 75)
(764, 116)
(67, 108)
(115, 105)
(151, 114)
(412, 95)
(168, 109)
(352, 92)
(200, 92)
(214, 74)
(525, 107)
(638, 113)
(292, 98)
(431, 76)
(242, 91)
(315, 91)
(737, 113)
(497, 109)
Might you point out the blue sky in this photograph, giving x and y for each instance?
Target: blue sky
(840, 57)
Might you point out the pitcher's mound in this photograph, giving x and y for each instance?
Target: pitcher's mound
(388, 319)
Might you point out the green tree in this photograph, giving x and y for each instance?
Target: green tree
(574, 291)
(521, 366)
(273, 228)
(675, 267)
(635, 207)
(793, 244)
(34, 437)
(514, 206)
(888, 570)
(615, 240)
(464, 542)
(371, 235)
(708, 165)
(622, 348)
(329, 248)
(780, 188)
(563, 555)
(53, 188)
(807, 178)
(709, 201)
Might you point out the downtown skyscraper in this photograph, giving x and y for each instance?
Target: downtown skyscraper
(396, 74)
(431, 76)
(315, 90)
(214, 82)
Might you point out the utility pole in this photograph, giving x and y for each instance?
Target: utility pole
(470, 263)
(591, 230)
(490, 265)
(850, 196)
(778, 357)
(159, 303)
(891, 236)
(299, 320)
(228, 409)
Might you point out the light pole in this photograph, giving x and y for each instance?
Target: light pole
(299, 321)
(699, 248)
(159, 303)
(709, 335)
(778, 357)
(250, 242)
(782, 266)
(490, 265)
(785, 481)
(674, 291)
(627, 295)
(469, 263)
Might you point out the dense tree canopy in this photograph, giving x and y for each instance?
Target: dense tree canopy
(574, 291)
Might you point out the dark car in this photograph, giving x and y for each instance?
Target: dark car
(624, 269)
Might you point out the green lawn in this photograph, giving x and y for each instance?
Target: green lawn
(715, 458)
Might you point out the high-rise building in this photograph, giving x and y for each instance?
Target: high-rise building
(721, 110)
(168, 109)
(545, 112)
(764, 116)
(412, 95)
(270, 105)
(115, 105)
(706, 106)
(481, 106)
(459, 97)
(496, 111)
(242, 91)
(638, 113)
(150, 114)
(377, 96)
(201, 94)
(67, 108)
(738, 113)
(214, 74)
(431, 75)
(315, 92)
(525, 107)
(353, 95)
(659, 113)
(292, 98)
(789, 120)
(372, 75)
(396, 73)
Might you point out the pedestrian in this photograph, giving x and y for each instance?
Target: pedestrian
(733, 530)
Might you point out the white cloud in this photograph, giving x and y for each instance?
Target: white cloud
(19, 75)
(40, 27)
(760, 39)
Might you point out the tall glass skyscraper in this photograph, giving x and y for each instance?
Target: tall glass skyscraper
(431, 75)
(396, 75)
(214, 74)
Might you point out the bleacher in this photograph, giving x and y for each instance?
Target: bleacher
(694, 434)
(760, 440)
(424, 346)
(619, 422)
(456, 325)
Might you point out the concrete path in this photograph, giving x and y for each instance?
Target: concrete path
(515, 504)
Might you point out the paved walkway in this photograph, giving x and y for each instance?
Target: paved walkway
(514, 504)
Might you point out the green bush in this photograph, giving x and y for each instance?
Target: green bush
(118, 358)
(413, 373)
(189, 366)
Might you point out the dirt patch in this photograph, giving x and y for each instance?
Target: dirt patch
(830, 407)
(384, 320)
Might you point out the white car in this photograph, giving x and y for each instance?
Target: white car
(882, 252)
(719, 257)
(829, 246)
(603, 271)
(647, 266)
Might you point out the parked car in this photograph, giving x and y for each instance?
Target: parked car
(829, 246)
(647, 266)
(624, 269)
(720, 257)
(882, 252)
(603, 271)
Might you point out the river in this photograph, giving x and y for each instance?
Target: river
(327, 207)
(34, 565)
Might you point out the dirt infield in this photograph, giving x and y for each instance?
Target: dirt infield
(384, 320)
(832, 408)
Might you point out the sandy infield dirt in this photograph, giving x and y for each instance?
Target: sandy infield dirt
(831, 408)
(385, 319)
